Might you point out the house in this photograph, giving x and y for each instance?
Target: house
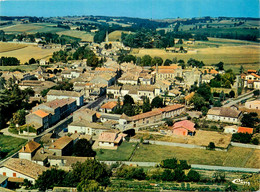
(114, 91)
(85, 127)
(47, 114)
(206, 78)
(33, 151)
(42, 62)
(224, 114)
(230, 129)
(85, 113)
(245, 130)
(110, 106)
(250, 78)
(22, 168)
(62, 147)
(110, 139)
(129, 78)
(29, 150)
(184, 128)
(253, 104)
(61, 94)
(39, 120)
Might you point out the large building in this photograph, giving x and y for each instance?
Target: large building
(224, 114)
(60, 94)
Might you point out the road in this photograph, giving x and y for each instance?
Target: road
(96, 103)
(195, 166)
(239, 99)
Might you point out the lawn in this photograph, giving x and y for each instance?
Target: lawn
(10, 145)
(122, 153)
(235, 156)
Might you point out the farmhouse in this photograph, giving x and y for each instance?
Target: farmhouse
(110, 139)
(21, 168)
(224, 114)
(185, 127)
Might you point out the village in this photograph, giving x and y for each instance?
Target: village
(99, 104)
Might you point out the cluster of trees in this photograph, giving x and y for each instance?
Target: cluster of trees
(130, 108)
(226, 80)
(9, 61)
(80, 53)
(244, 138)
(12, 99)
(195, 63)
(88, 176)
(148, 38)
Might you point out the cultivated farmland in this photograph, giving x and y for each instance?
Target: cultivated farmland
(84, 36)
(5, 47)
(26, 53)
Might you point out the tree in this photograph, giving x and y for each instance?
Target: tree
(90, 170)
(193, 176)
(167, 175)
(19, 117)
(146, 60)
(82, 148)
(220, 66)
(157, 102)
(179, 174)
(169, 122)
(157, 60)
(146, 104)
(169, 163)
(167, 62)
(241, 69)
(249, 120)
(50, 178)
(232, 94)
(198, 102)
(204, 110)
(32, 61)
(88, 185)
(128, 100)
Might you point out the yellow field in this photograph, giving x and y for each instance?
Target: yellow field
(21, 28)
(78, 34)
(115, 35)
(24, 54)
(5, 47)
(227, 54)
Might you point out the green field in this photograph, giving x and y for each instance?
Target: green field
(10, 145)
(236, 157)
(21, 67)
(84, 36)
(122, 153)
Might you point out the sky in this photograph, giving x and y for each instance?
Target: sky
(155, 9)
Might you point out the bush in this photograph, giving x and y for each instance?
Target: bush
(211, 146)
(169, 163)
(255, 141)
(193, 176)
(169, 122)
(241, 137)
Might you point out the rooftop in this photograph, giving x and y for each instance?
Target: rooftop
(61, 143)
(85, 123)
(30, 147)
(245, 130)
(224, 112)
(64, 93)
(41, 113)
(25, 167)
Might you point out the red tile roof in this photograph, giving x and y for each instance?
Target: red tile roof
(30, 147)
(41, 113)
(245, 130)
(184, 124)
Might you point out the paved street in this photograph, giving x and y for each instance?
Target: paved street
(239, 99)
